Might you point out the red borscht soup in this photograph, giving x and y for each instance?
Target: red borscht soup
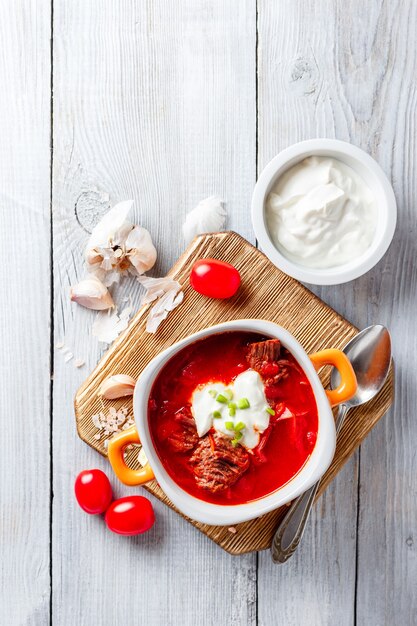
(232, 417)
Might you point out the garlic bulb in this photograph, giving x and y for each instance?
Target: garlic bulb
(117, 386)
(117, 247)
(92, 294)
(208, 216)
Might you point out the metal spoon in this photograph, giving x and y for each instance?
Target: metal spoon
(370, 354)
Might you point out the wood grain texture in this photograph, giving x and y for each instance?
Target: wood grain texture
(24, 314)
(156, 100)
(387, 531)
(347, 70)
(300, 97)
(267, 293)
(153, 101)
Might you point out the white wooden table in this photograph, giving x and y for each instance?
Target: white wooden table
(167, 102)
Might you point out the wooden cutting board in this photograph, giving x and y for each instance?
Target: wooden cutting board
(266, 293)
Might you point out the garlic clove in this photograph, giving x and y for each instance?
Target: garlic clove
(92, 294)
(140, 249)
(117, 386)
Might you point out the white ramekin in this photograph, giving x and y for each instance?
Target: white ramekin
(371, 173)
(209, 513)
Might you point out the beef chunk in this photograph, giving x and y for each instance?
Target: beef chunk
(217, 464)
(263, 351)
(285, 363)
(185, 437)
(264, 358)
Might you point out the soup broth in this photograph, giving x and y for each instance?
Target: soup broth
(219, 468)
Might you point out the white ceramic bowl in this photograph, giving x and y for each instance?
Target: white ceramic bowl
(371, 173)
(195, 508)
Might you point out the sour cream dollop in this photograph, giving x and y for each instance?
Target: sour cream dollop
(321, 213)
(205, 405)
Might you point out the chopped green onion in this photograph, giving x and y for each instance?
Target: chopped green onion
(243, 403)
(213, 393)
(232, 409)
(270, 411)
(235, 443)
(240, 426)
(221, 398)
(236, 439)
(217, 414)
(228, 393)
(229, 425)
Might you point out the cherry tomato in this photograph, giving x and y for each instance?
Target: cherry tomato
(131, 515)
(214, 279)
(93, 491)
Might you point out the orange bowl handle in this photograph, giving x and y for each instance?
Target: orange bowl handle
(115, 451)
(339, 360)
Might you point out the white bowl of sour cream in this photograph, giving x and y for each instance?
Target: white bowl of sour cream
(323, 211)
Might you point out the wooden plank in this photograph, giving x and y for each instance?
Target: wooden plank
(154, 101)
(300, 97)
(327, 71)
(387, 532)
(316, 573)
(24, 315)
(264, 288)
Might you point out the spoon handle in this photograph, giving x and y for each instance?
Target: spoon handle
(291, 528)
(341, 417)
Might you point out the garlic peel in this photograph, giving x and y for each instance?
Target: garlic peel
(142, 458)
(92, 294)
(108, 325)
(156, 287)
(167, 294)
(117, 386)
(207, 217)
